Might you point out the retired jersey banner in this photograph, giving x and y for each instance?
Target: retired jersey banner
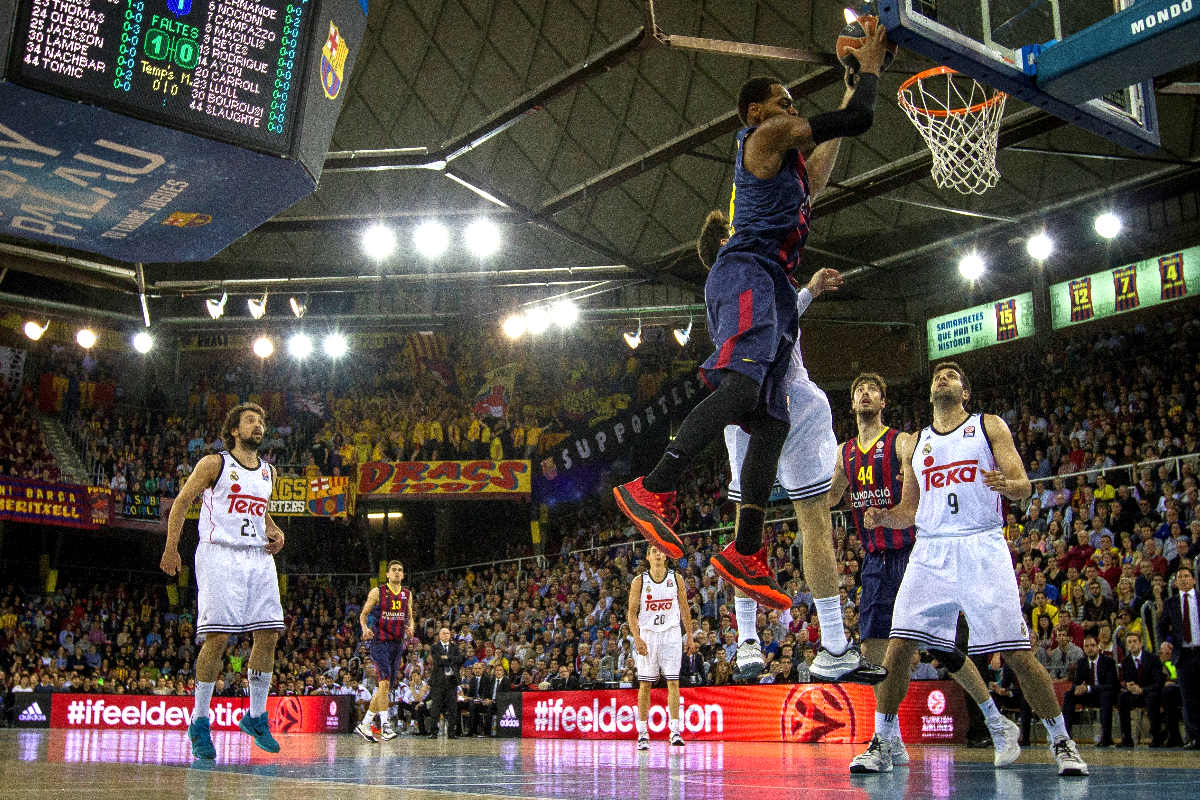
(984, 325)
(932, 712)
(322, 496)
(45, 503)
(446, 480)
(1129, 287)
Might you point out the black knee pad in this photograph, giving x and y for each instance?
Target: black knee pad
(953, 659)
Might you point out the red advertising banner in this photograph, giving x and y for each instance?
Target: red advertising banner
(290, 714)
(445, 480)
(933, 712)
(46, 503)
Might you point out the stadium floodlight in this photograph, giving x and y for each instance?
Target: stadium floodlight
(263, 347)
(216, 307)
(300, 346)
(482, 237)
(335, 345)
(35, 331)
(513, 326)
(378, 241)
(682, 335)
(85, 338)
(298, 308)
(564, 313)
(143, 342)
(849, 16)
(1108, 225)
(1039, 246)
(537, 320)
(257, 306)
(971, 266)
(634, 339)
(431, 239)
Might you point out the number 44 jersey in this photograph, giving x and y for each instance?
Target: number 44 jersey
(949, 468)
(233, 510)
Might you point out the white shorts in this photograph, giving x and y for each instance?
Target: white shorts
(238, 590)
(972, 574)
(809, 452)
(664, 654)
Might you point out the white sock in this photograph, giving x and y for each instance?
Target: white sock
(884, 728)
(1056, 728)
(368, 717)
(676, 726)
(829, 614)
(642, 729)
(746, 610)
(993, 715)
(204, 692)
(260, 687)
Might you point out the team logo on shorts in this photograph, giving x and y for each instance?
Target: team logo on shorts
(968, 432)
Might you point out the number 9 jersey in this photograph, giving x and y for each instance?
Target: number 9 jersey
(949, 469)
(233, 510)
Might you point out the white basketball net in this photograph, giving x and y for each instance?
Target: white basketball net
(959, 118)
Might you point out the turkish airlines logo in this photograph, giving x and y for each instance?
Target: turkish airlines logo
(939, 477)
(246, 503)
(659, 605)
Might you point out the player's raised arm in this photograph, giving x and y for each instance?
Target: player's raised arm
(368, 607)
(1009, 478)
(202, 477)
(904, 514)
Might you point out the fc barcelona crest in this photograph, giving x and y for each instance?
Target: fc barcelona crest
(333, 62)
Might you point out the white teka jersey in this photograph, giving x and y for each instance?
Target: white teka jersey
(234, 509)
(659, 610)
(949, 468)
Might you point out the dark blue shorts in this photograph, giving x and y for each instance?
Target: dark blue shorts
(753, 323)
(388, 657)
(882, 572)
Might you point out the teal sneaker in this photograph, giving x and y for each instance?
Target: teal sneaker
(260, 729)
(202, 746)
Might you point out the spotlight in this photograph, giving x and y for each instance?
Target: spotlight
(431, 239)
(335, 345)
(143, 342)
(85, 338)
(263, 347)
(634, 339)
(258, 308)
(298, 308)
(971, 266)
(299, 346)
(849, 16)
(378, 242)
(482, 237)
(1039, 246)
(1108, 225)
(564, 313)
(35, 331)
(513, 326)
(682, 335)
(537, 320)
(216, 307)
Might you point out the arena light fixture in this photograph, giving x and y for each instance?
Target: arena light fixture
(431, 239)
(34, 331)
(849, 16)
(257, 306)
(971, 266)
(143, 342)
(634, 339)
(378, 241)
(335, 345)
(564, 313)
(482, 237)
(263, 347)
(85, 338)
(682, 335)
(513, 326)
(1108, 225)
(376, 515)
(1039, 246)
(298, 308)
(537, 320)
(216, 307)
(300, 346)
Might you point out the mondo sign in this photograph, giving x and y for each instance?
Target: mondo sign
(984, 325)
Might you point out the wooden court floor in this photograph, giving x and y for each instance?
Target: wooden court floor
(121, 765)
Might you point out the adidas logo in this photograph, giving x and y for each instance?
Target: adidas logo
(33, 713)
(509, 718)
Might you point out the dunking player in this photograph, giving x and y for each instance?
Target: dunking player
(752, 314)
(392, 629)
(960, 562)
(805, 470)
(657, 605)
(869, 464)
(238, 590)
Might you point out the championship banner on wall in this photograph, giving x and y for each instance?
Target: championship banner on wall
(101, 499)
(980, 326)
(12, 364)
(445, 480)
(1126, 288)
(932, 712)
(290, 714)
(45, 503)
(305, 497)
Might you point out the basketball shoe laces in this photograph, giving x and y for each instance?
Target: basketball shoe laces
(662, 504)
(757, 564)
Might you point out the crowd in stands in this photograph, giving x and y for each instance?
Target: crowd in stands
(23, 452)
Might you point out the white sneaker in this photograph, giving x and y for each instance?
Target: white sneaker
(749, 659)
(878, 758)
(387, 733)
(364, 730)
(849, 667)
(899, 752)
(676, 740)
(1066, 753)
(643, 742)
(1006, 739)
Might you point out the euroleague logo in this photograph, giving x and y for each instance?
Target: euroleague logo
(936, 702)
(289, 715)
(815, 712)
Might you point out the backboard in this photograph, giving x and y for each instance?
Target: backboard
(996, 42)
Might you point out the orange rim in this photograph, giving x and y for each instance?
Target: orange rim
(937, 112)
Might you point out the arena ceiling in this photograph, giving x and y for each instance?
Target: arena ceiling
(599, 148)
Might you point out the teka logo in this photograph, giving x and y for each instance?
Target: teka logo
(32, 713)
(660, 605)
(936, 702)
(509, 718)
(938, 477)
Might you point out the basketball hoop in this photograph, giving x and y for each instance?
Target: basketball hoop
(959, 118)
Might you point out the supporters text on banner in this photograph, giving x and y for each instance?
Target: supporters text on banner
(45, 503)
(1004, 320)
(445, 480)
(1129, 287)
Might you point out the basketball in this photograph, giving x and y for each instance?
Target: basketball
(851, 38)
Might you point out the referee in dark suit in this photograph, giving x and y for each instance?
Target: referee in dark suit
(1180, 625)
(443, 684)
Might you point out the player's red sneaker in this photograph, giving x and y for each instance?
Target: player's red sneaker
(752, 575)
(652, 513)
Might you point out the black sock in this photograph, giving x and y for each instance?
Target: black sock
(748, 529)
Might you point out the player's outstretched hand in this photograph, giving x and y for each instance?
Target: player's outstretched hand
(639, 644)
(873, 50)
(170, 562)
(994, 479)
(275, 540)
(825, 280)
(368, 633)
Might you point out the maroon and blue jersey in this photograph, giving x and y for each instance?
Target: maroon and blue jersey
(393, 614)
(876, 478)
